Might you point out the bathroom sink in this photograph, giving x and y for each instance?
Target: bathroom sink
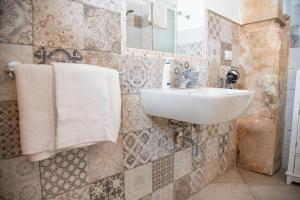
(201, 105)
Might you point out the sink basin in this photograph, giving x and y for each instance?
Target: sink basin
(201, 105)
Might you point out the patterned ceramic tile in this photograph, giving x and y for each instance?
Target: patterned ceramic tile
(212, 130)
(133, 115)
(9, 52)
(9, 130)
(103, 59)
(81, 193)
(211, 171)
(161, 144)
(223, 144)
(192, 49)
(63, 172)
(225, 47)
(197, 180)
(214, 25)
(224, 69)
(58, 26)
(166, 192)
(138, 182)
(111, 188)
(182, 188)
(235, 34)
(102, 30)
(112, 5)
(182, 163)
(223, 164)
(147, 197)
(19, 179)
(140, 72)
(224, 127)
(295, 36)
(213, 77)
(16, 21)
(212, 150)
(199, 160)
(162, 172)
(213, 51)
(105, 159)
(43, 55)
(226, 30)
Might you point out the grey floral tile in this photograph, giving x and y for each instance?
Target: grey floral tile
(200, 159)
(223, 144)
(63, 172)
(114, 5)
(225, 47)
(133, 116)
(213, 79)
(166, 192)
(182, 163)
(235, 28)
(44, 55)
(226, 30)
(192, 49)
(182, 188)
(212, 150)
(102, 59)
(214, 25)
(8, 53)
(224, 127)
(105, 159)
(197, 180)
(9, 130)
(140, 72)
(58, 26)
(80, 193)
(147, 197)
(19, 179)
(211, 171)
(102, 30)
(161, 144)
(212, 130)
(110, 188)
(16, 21)
(213, 51)
(223, 164)
(162, 172)
(138, 182)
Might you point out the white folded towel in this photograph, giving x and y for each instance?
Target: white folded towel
(88, 103)
(35, 93)
(159, 14)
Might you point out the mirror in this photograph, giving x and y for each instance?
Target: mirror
(173, 26)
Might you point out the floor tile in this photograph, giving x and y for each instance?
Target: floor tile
(138, 182)
(231, 176)
(257, 178)
(182, 163)
(275, 192)
(182, 188)
(77, 194)
(166, 192)
(19, 179)
(162, 172)
(63, 172)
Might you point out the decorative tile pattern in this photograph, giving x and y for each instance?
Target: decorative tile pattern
(111, 188)
(105, 159)
(182, 163)
(114, 5)
(213, 79)
(102, 30)
(81, 193)
(133, 115)
(223, 164)
(192, 49)
(19, 179)
(161, 144)
(199, 160)
(213, 51)
(212, 150)
(226, 30)
(147, 197)
(224, 127)
(63, 172)
(58, 26)
(223, 144)
(212, 130)
(182, 188)
(197, 180)
(166, 192)
(225, 47)
(211, 171)
(16, 21)
(214, 25)
(138, 182)
(9, 130)
(162, 172)
(43, 55)
(235, 34)
(103, 59)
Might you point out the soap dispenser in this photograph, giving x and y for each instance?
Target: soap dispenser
(166, 76)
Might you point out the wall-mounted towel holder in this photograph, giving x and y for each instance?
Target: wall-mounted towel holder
(10, 69)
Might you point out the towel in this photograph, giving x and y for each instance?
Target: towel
(35, 95)
(88, 104)
(159, 14)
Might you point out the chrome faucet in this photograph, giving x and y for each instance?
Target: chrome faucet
(188, 78)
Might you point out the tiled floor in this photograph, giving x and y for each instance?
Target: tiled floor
(239, 184)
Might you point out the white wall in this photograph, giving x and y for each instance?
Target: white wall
(228, 8)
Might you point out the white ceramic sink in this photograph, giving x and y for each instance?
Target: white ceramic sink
(201, 105)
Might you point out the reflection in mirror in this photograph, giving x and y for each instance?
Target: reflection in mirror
(174, 26)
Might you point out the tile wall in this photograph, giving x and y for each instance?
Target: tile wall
(145, 163)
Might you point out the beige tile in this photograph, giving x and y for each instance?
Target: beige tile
(19, 179)
(182, 163)
(102, 59)
(105, 159)
(222, 191)
(11, 52)
(275, 192)
(164, 193)
(211, 171)
(138, 182)
(212, 150)
(58, 23)
(257, 178)
(231, 176)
